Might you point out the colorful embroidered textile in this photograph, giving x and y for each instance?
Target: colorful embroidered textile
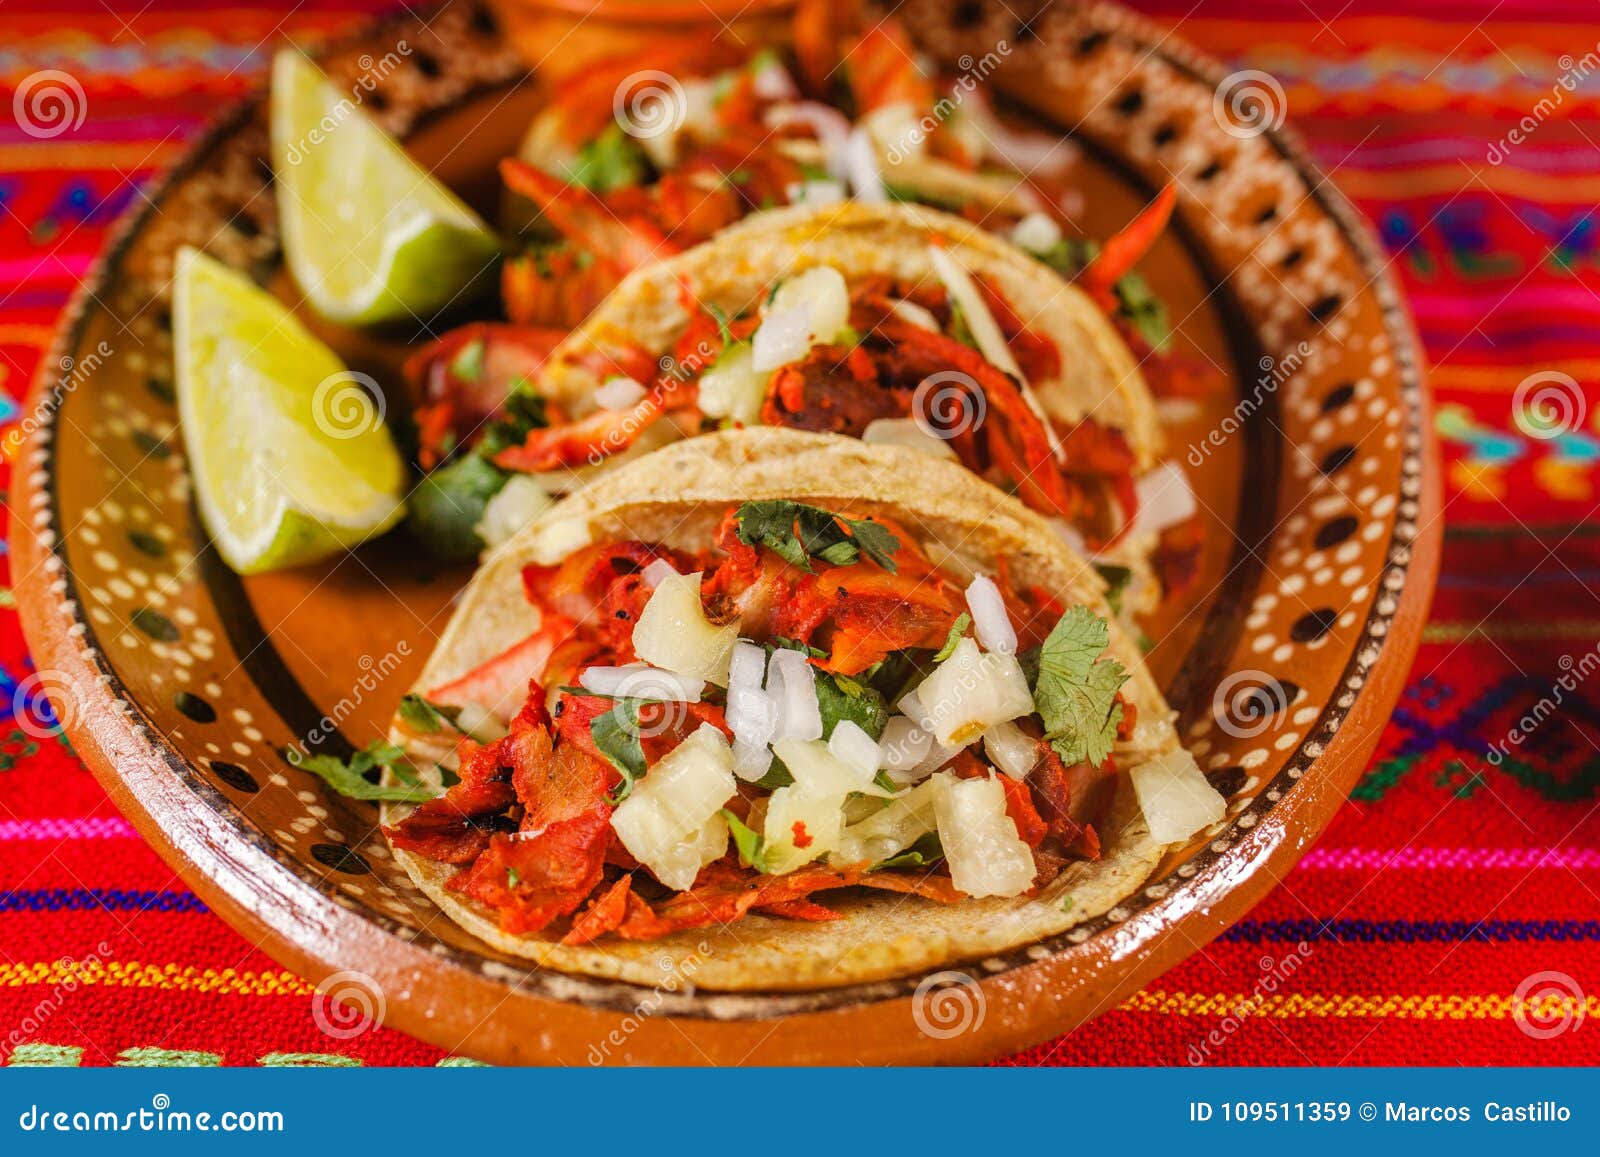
(1462, 878)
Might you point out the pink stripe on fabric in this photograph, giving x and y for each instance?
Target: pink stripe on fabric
(1433, 859)
(92, 828)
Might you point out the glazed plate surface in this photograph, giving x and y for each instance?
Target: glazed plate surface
(181, 684)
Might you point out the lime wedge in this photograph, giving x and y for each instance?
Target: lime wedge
(368, 234)
(288, 450)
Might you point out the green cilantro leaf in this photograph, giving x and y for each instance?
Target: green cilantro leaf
(616, 735)
(720, 316)
(513, 877)
(1076, 690)
(957, 629)
(840, 698)
(798, 533)
(778, 775)
(467, 365)
(349, 778)
(522, 411)
(752, 846)
(1117, 580)
(428, 718)
(926, 850)
(1137, 302)
(612, 160)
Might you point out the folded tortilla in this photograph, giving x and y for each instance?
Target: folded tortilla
(735, 271)
(677, 496)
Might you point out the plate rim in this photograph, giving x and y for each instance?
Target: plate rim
(95, 731)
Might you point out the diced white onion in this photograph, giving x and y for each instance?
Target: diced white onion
(747, 667)
(772, 82)
(809, 308)
(910, 704)
(669, 823)
(1011, 749)
(906, 432)
(1175, 796)
(904, 744)
(733, 387)
(861, 167)
(784, 337)
(971, 691)
(619, 394)
(751, 713)
(637, 681)
(816, 192)
(656, 571)
(1165, 499)
(518, 503)
(910, 311)
(832, 129)
(793, 686)
(990, 619)
(673, 632)
(855, 748)
(981, 846)
(1037, 233)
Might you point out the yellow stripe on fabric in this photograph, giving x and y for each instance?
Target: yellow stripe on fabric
(1435, 1006)
(152, 1058)
(1505, 379)
(105, 156)
(308, 1061)
(39, 1056)
(1453, 177)
(1588, 629)
(18, 333)
(168, 977)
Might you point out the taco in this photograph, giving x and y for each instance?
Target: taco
(889, 323)
(806, 710)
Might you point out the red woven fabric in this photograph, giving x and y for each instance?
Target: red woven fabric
(1448, 884)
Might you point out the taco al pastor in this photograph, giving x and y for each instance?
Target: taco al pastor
(810, 710)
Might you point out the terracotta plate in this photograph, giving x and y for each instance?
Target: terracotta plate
(180, 683)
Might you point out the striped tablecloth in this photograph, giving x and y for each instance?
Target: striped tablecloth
(1464, 874)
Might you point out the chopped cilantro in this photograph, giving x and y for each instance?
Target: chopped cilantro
(1136, 302)
(797, 533)
(428, 718)
(1117, 580)
(777, 776)
(448, 504)
(1076, 690)
(957, 629)
(467, 365)
(513, 877)
(840, 698)
(752, 847)
(616, 736)
(926, 850)
(612, 160)
(349, 777)
(720, 316)
(522, 411)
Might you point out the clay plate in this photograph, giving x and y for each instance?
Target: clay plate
(180, 684)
